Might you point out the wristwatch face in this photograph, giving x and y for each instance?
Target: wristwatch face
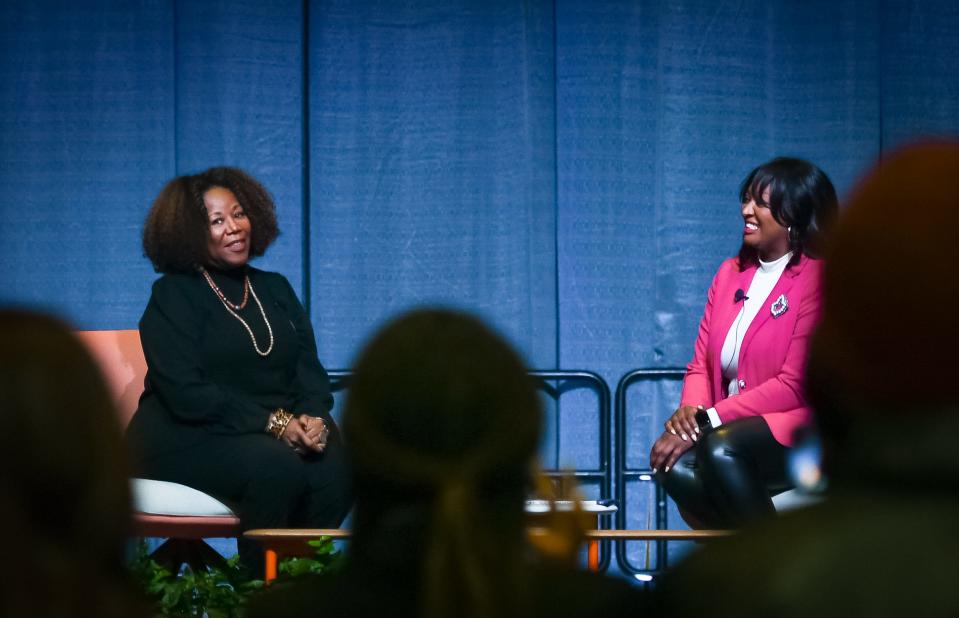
(702, 419)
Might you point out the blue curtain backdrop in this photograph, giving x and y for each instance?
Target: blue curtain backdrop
(567, 169)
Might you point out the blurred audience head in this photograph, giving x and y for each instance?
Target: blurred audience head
(888, 341)
(65, 493)
(443, 423)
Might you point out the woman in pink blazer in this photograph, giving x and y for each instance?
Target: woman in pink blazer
(743, 396)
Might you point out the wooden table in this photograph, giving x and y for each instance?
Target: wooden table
(537, 510)
(281, 542)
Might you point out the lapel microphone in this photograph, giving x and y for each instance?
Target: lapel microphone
(737, 297)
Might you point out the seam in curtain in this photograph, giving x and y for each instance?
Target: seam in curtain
(305, 160)
(556, 213)
(881, 16)
(176, 93)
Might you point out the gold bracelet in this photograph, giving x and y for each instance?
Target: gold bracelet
(278, 422)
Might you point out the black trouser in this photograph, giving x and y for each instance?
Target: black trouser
(264, 481)
(729, 477)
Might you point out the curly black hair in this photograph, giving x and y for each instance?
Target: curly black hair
(176, 230)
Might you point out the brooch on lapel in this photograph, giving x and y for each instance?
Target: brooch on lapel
(779, 306)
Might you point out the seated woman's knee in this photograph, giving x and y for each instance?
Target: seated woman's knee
(716, 444)
(681, 472)
(280, 466)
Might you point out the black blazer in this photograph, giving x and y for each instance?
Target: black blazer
(204, 377)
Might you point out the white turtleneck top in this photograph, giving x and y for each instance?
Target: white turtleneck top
(765, 279)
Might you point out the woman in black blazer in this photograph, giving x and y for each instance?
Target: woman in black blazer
(236, 402)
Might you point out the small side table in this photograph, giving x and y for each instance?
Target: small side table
(598, 508)
(283, 542)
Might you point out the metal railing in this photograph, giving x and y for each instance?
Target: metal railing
(625, 474)
(567, 380)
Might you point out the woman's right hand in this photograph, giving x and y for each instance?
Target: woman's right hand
(300, 439)
(666, 450)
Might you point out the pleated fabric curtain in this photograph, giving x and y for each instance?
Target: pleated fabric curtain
(432, 172)
(239, 100)
(86, 141)
(567, 169)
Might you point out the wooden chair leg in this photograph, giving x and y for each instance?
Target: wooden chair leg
(271, 563)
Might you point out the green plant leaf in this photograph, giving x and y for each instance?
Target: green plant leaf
(218, 592)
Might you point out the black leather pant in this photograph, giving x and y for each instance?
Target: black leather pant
(729, 477)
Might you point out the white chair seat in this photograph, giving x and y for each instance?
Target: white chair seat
(795, 499)
(165, 498)
(587, 506)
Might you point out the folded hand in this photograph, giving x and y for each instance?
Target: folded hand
(306, 433)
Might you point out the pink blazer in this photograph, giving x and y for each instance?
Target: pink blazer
(772, 359)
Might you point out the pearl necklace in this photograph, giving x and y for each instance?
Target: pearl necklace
(234, 308)
(222, 296)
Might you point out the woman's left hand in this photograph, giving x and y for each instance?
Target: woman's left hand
(316, 430)
(683, 423)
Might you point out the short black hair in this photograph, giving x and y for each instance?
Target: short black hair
(176, 230)
(801, 198)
